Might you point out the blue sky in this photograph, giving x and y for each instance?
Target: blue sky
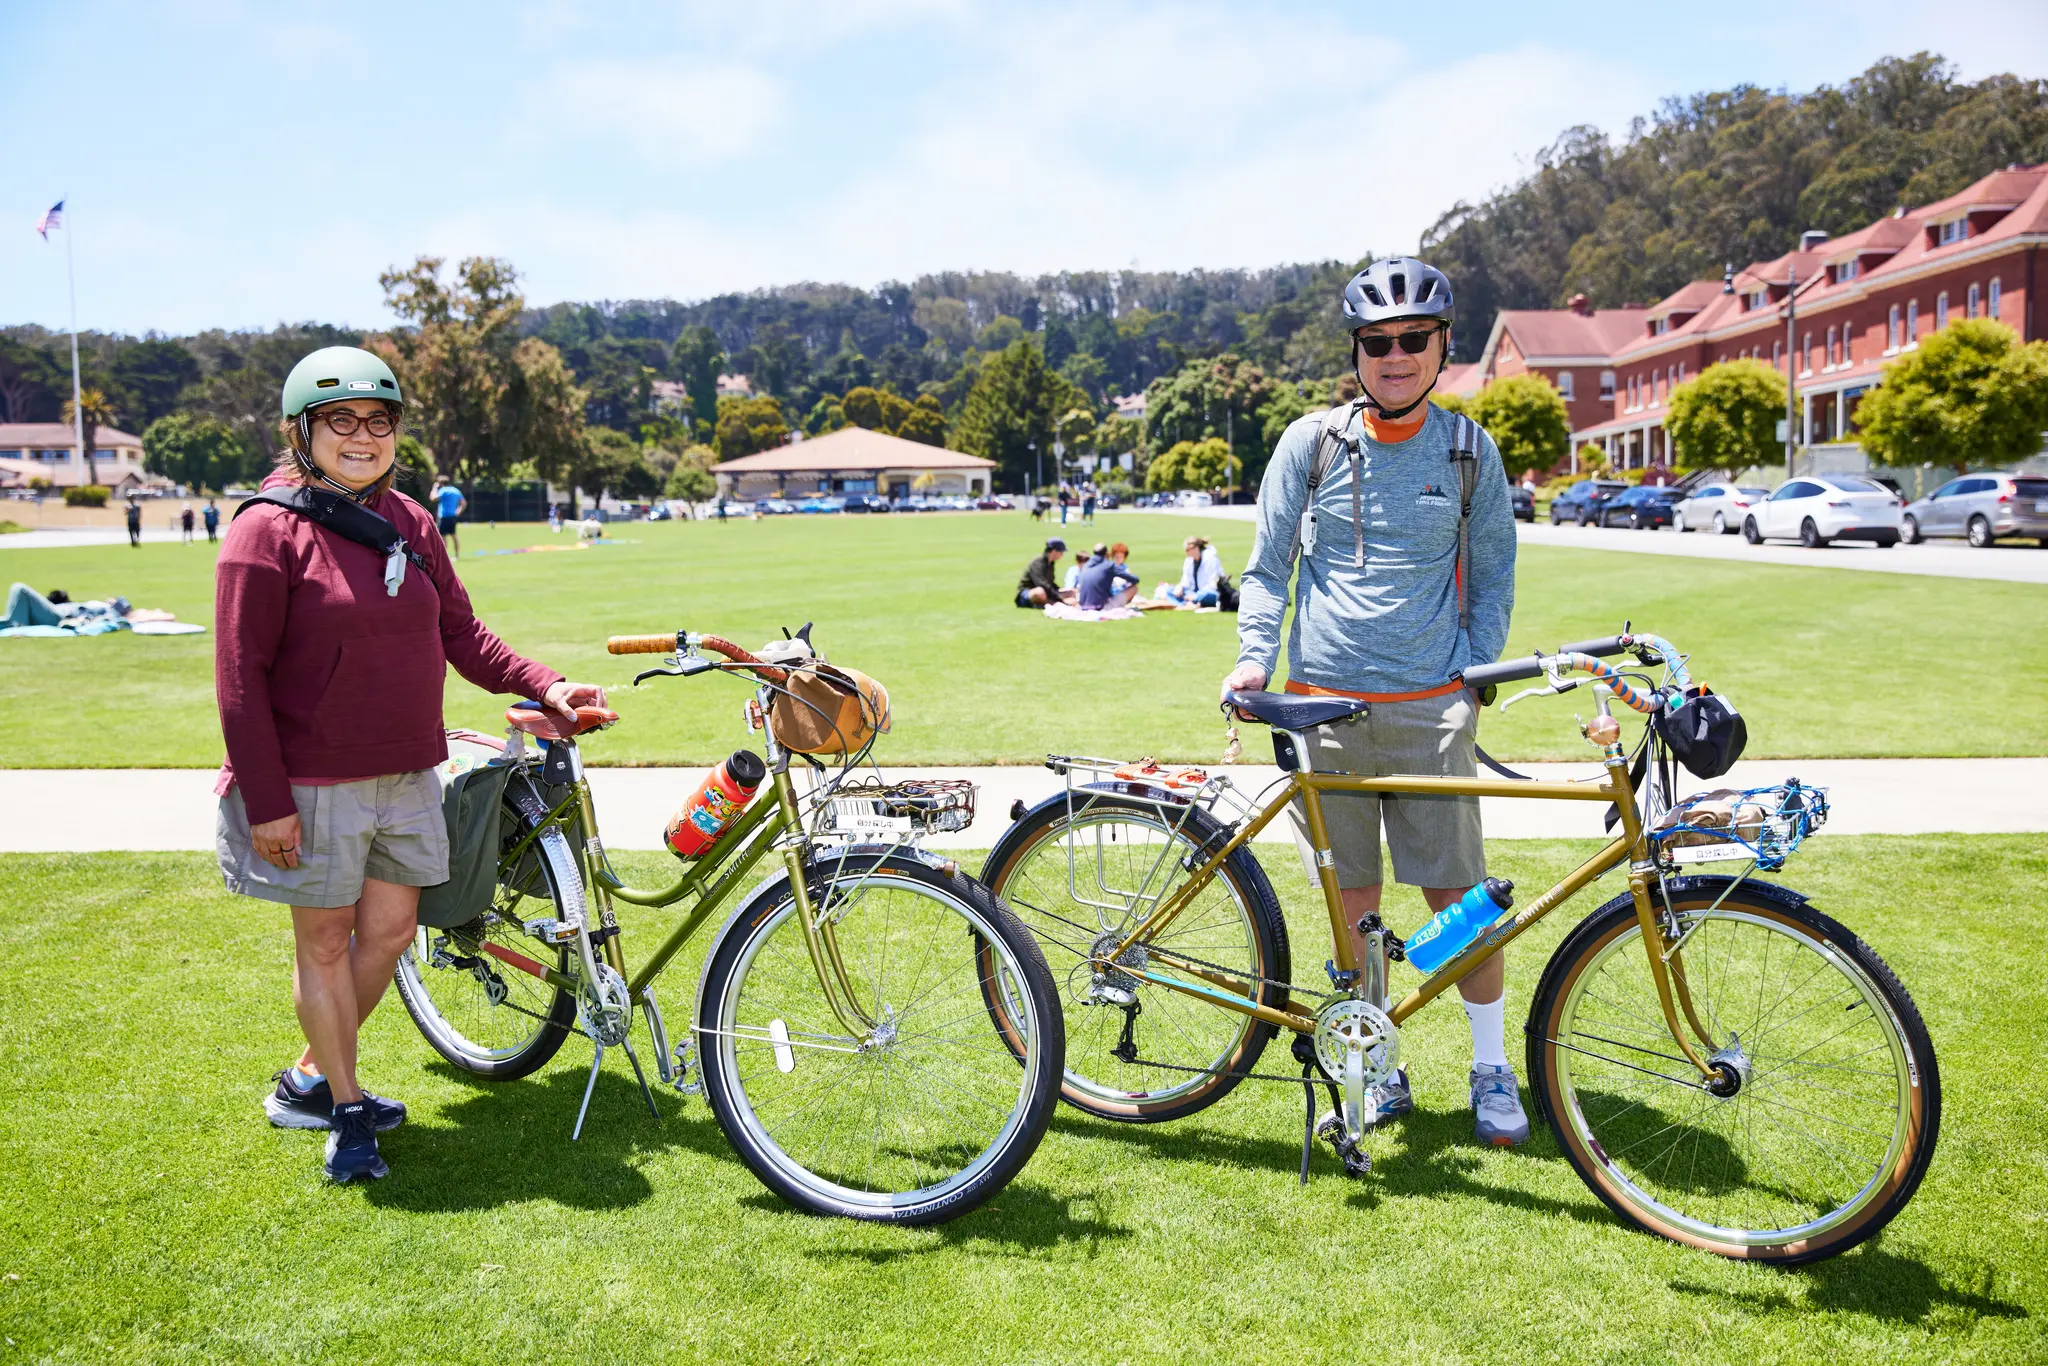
(238, 164)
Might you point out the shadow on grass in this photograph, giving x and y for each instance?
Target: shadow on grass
(1437, 1157)
(1873, 1281)
(1020, 1219)
(509, 1142)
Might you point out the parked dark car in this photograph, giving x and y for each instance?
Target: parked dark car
(1108, 502)
(1582, 502)
(1645, 507)
(1524, 500)
(866, 502)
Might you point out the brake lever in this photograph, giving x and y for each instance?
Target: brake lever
(684, 667)
(1550, 689)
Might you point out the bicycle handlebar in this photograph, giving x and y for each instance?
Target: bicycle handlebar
(1582, 656)
(684, 640)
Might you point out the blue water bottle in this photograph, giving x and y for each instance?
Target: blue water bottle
(1458, 924)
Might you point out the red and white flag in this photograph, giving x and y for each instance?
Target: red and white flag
(53, 219)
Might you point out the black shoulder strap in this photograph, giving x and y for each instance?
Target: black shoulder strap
(351, 521)
(1465, 455)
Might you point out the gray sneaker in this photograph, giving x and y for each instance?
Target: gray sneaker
(1497, 1113)
(1392, 1097)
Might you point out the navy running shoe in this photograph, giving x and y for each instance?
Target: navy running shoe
(291, 1108)
(352, 1144)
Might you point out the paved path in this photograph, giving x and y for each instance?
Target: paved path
(2011, 561)
(67, 537)
(80, 810)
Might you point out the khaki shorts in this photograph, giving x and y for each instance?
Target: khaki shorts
(1436, 841)
(388, 828)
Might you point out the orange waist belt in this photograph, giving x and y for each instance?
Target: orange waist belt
(1301, 689)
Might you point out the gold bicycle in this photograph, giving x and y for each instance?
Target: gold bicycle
(1722, 1064)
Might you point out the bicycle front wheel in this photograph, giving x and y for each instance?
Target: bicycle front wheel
(1827, 1103)
(918, 1115)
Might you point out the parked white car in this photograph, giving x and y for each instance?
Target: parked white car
(1815, 509)
(1720, 507)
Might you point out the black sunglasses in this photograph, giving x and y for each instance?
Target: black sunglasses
(1412, 343)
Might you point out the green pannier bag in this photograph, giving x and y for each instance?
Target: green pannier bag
(473, 778)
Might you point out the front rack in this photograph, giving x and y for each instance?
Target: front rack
(1762, 823)
(899, 811)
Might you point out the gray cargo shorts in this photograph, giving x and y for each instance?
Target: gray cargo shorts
(1435, 840)
(389, 828)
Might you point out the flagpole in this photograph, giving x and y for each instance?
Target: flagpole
(77, 398)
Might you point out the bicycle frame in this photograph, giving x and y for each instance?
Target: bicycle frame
(772, 815)
(1629, 844)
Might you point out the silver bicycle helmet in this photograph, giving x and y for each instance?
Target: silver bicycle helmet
(1397, 288)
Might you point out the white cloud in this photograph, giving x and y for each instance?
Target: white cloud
(672, 112)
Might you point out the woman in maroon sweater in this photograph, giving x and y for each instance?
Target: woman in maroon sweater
(330, 680)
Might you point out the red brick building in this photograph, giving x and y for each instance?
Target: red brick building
(1863, 299)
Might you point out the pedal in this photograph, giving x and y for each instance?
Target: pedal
(680, 1077)
(1357, 1161)
(551, 931)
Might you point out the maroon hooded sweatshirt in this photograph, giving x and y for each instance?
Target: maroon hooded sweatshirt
(321, 675)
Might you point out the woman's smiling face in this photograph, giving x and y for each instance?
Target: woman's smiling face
(359, 459)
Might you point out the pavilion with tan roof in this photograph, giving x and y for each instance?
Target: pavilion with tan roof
(854, 460)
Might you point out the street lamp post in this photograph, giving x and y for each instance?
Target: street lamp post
(1791, 364)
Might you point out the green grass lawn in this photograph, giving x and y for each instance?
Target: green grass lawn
(153, 1216)
(1824, 663)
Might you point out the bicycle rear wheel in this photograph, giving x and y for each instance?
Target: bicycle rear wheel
(1830, 1102)
(916, 1120)
(1075, 877)
(475, 1008)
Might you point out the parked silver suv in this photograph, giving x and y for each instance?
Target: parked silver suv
(1982, 507)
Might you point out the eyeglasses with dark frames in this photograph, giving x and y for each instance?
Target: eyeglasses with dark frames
(1412, 343)
(342, 422)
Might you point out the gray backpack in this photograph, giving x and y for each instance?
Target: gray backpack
(1331, 445)
(473, 780)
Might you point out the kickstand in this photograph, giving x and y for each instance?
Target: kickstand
(1308, 1124)
(596, 1062)
(634, 1058)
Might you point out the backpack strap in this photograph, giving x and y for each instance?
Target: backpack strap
(351, 521)
(1329, 447)
(1465, 455)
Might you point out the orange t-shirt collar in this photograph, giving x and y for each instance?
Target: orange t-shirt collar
(1387, 432)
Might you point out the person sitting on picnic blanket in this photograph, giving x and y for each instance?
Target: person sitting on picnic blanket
(1038, 587)
(1072, 580)
(1200, 574)
(1107, 582)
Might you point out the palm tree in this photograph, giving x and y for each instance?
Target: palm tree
(97, 413)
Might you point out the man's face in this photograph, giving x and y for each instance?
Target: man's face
(1397, 379)
(1053, 556)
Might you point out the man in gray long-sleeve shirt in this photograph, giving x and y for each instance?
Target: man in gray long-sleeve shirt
(1378, 616)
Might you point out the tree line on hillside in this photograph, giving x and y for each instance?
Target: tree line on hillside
(623, 397)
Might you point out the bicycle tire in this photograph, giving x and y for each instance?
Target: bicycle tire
(757, 963)
(1143, 1095)
(433, 1000)
(1720, 969)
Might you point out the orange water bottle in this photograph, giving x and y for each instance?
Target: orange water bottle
(700, 822)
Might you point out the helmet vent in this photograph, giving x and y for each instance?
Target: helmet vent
(1372, 293)
(1400, 284)
(326, 384)
(1428, 288)
(387, 384)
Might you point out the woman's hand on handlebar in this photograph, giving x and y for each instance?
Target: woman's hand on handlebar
(565, 697)
(1244, 678)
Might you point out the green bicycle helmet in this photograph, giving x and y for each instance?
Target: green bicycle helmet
(335, 373)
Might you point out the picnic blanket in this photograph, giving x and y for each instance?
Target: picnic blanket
(1061, 611)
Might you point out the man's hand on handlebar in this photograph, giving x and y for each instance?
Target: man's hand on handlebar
(1244, 678)
(565, 697)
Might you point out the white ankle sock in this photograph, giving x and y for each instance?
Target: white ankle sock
(303, 1079)
(1489, 1022)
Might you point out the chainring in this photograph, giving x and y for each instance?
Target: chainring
(1348, 1023)
(604, 1010)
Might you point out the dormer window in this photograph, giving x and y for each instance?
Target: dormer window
(1952, 231)
(1659, 326)
(1756, 299)
(1844, 271)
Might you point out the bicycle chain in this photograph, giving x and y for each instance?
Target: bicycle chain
(1156, 951)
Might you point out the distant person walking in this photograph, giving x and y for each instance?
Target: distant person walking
(1088, 504)
(448, 505)
(329, 665)
(134, 521)
(212, 519)
(187, 522)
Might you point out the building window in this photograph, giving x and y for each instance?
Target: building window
(1992, 310)
(1953, 230)
(1564, 385)
(1891, 330)
(1681, 373)
(1607, 386)
(1912, 322)
(1845, 270)
(1941, 310)
(1777, 354)
(1828, 356)
(1970, 301)
(1806, 353)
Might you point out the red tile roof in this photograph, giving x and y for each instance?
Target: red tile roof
(1541, 334)
(852, 448)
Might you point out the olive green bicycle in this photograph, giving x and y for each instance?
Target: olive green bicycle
(838, 1021)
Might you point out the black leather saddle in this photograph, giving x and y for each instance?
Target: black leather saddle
(1287, 711)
